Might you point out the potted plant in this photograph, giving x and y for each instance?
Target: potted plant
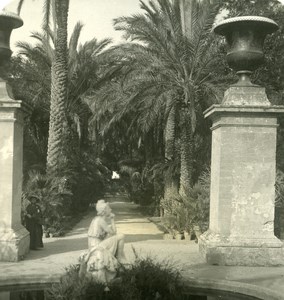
(51, 231)
(168, 222)
(196, 205)
(45, 232)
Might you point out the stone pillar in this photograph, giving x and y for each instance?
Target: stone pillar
(14, 238)
(241, 230)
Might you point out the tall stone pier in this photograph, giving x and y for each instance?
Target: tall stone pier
(243, 159)
(241, 230)
(14, 238)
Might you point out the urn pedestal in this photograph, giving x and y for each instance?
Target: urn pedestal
(243, 159)
(14, 238)
(241, 230)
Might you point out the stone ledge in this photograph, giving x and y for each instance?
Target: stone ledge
(232, 286)
(32, 280)
(218, 109)
(217, 240)
(250, 252)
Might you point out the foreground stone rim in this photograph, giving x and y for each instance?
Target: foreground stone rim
(237, 287)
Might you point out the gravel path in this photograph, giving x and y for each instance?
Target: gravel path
(48, 264)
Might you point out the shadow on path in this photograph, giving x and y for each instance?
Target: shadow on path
(131, 238)
(129, 220)
(59, 246)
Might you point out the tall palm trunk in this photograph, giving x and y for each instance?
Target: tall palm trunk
(58, 123)
(186, 154)
(170, 182)
(149, 147)
(186, 139)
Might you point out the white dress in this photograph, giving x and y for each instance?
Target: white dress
(103, 249)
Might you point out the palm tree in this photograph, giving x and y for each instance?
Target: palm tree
(59, 71)
(177, 64)
(84, 68)
(33, 72)
(58, 121)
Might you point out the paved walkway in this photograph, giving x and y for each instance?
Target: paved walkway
(48, 264)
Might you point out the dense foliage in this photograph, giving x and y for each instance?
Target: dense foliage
(61, 165)
(144, 279)
(136, 108)
(166, 81)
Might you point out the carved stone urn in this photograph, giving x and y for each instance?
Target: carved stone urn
(8, 22)
(245, 38)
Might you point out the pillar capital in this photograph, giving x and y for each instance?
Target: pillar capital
(217, 110)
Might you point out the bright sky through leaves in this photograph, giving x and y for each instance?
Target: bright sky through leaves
(96, 15)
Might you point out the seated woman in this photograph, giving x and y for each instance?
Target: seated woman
(105, 252)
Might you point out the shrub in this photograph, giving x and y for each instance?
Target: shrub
(145, 279)
(279, 204)
(149, 279)
(189, 210)
(54, 195)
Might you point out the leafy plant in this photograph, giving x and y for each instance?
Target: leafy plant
(72, 286)
(169, 222)
(190, 210)
(145, 279)
(150, 279)
(54, 195)
(279, 203)
(279, 189)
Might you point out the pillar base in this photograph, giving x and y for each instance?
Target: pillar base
(241, 251)
(14, 244)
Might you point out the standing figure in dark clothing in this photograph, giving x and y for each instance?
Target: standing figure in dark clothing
(34, 223)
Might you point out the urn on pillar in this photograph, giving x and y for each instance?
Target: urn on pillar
(8, 22)
(245, 38)
(243, 159)
(14, 238)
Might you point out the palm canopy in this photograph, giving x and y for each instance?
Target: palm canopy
(161, 70)
(84, 72)
(182, 63)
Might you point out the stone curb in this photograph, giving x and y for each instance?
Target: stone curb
(190, 283)
(34, 280)
(232, 286)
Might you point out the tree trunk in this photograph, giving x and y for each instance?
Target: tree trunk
(58, 123)
(170, 182)
(149, 147)
(186, 154)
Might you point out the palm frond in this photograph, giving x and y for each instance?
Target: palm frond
(46, 15)
(20, 5)
(73, 43)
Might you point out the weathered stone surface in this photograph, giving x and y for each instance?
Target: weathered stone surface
(245, 95)
(241, 230)
(239, 251)
(14, 238)
(14, 244)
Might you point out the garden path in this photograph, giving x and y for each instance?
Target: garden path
(48, 264)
